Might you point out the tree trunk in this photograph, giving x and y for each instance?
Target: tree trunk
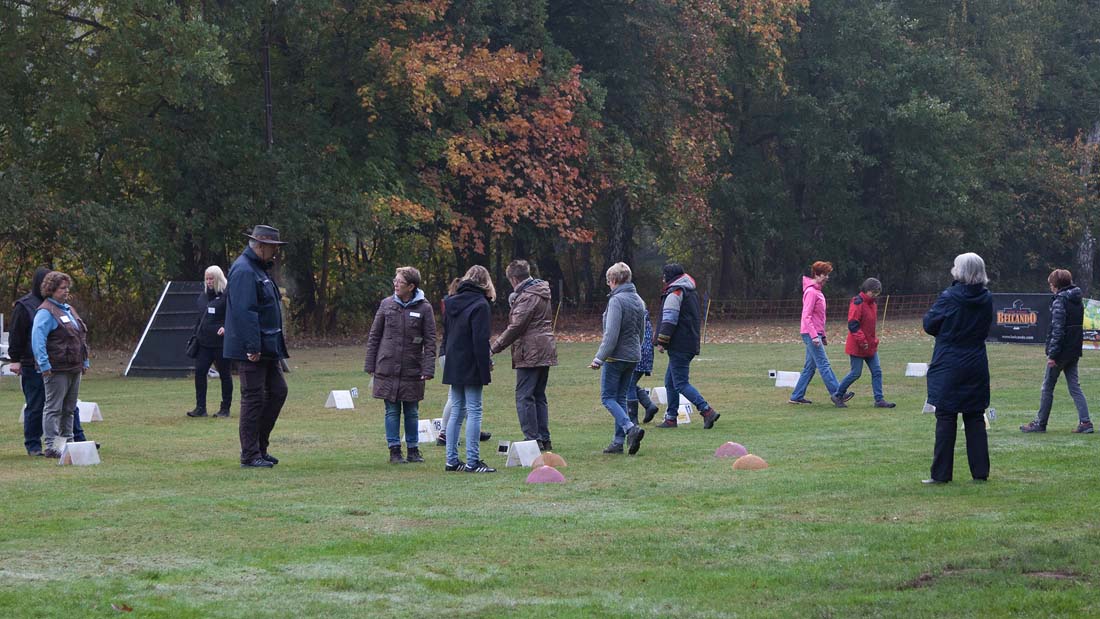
(1086, 249)
(322, 292)
(616, 241)
(726, 278)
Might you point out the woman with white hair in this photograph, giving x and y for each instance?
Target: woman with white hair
(620, 351)
(958, 376)
(209, 332)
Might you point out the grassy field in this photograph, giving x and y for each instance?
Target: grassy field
(839, 526)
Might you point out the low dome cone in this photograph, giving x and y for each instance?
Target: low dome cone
(749, 462)
(545, 475)
(549, 459)
(730, 450)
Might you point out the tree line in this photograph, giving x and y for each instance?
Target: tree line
(744, 138)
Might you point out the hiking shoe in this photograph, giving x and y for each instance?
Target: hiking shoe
(667, 423)
(838, 401)
(414, 455)
(1033, 426)
(709, 417)
(270, 458)
(479, 467)
(457, 466)
(884, 404)
(650, 413)
(395, 455)
(849, 395)
(1085, 427)
(634, 438)
(547, 445)
(799, 401)
(197, 412)
(222, 412)
(441, 440)
(485, 436)
(257, 463)
(49, 453)
(613, 448)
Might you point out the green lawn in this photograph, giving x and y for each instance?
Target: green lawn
(839, 526)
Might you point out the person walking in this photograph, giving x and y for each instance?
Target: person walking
(1067, 317)
(812, 330)
(30, 379)
(210, 331)
(636, 395)
(619, 353)
(679, 336)
(862, 343)
(401, 357)
(530, 333)
(468, 367)
(958, 376)
(59, 340)
(254, 338)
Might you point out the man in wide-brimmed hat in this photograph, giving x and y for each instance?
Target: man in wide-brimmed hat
(254, 338)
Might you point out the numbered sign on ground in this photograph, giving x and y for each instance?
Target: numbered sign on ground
(339, 400)
(786, 379)
(522, 453)
(928, 408)
(426, 431)
(89, 411)
(437, 425)
(683, 414)
(916, 369)
(79, 454)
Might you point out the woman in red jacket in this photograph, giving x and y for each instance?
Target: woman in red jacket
(862, 343)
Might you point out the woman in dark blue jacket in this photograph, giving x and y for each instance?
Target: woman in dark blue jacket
(958, 376)
(210, 332)
(467, 365)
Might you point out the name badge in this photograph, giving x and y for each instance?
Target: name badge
(209, 310)
(65, 319)
(414, 314)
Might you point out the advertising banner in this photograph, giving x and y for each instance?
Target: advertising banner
(1022, 318)
(1091, 336)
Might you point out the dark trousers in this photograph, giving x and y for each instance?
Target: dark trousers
(34, 396)
(531, 406)
(207, 357)
(263, 392)
(977, 446)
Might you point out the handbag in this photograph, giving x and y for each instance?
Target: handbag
(193, 347)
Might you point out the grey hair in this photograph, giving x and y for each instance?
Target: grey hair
(619, 273)
(969, 269)
(254, 244)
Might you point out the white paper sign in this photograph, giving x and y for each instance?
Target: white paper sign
(928, 408)
(659, 394)
(339, 400)
(79, 454)
(786, 379)
(426, 431)
(683, 414)
(916, 369)
(437, 425)
(522, 453)
(89, 411)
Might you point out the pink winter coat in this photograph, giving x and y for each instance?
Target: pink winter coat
(813, 308)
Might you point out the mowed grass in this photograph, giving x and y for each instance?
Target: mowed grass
(838, 526)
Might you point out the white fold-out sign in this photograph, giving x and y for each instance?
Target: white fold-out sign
(339, 400)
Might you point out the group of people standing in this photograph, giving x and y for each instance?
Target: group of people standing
(242, 322)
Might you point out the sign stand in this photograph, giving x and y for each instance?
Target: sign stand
(339, 400)
(522, 453)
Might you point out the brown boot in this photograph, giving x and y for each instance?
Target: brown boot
(414, 455)
(395, 455)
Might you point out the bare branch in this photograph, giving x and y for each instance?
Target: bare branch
(62, 14)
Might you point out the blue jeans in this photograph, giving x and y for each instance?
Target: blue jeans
(1046, 398)
(615, 380)
(466, 405)
(676, 384)
(34, 395)
(815, 359)
(857, 371)
(393, 423)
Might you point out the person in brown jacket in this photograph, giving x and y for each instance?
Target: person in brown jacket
(530, 333)
(401, 356)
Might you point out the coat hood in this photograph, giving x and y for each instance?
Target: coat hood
(969, 294)
(808, 282)
(537, 287)
(685, 281)
(36, 283)
(468, 293)
(1072, 294)
(418, 297)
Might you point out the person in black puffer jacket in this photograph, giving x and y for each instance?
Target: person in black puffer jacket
(1067, 316)
(210, 331)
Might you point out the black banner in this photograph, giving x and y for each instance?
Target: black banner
(1020, 318)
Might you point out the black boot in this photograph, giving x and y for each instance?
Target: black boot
(632, 411)
(199, 411)
(414, 455)
(651, 409)
(395, 455)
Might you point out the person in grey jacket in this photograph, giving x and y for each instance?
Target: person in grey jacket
(1067, 316)
(619, 352)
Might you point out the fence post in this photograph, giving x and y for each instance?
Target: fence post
(885, 309)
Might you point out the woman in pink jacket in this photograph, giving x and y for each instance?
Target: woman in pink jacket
(813, 334)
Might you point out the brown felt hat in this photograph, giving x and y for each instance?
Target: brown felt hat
(265, 234)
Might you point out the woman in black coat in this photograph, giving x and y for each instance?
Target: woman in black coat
(958, 376)
(210, 330)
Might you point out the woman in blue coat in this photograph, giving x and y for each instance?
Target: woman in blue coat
(958, 376)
